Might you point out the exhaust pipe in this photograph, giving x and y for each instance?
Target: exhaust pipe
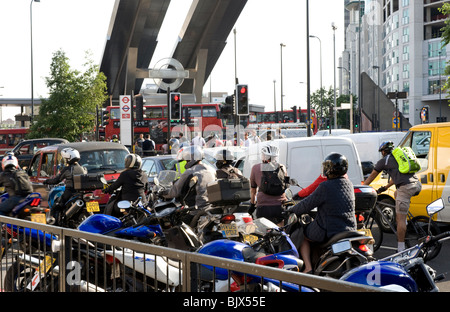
(74, 208)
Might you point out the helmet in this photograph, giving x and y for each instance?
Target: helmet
(334, 165)
(133, 161)
(386, 146)
(224, 157)
(9, 160)
(269, 151)
(192, 155)
(70, 154)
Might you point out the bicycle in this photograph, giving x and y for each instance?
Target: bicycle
(417, 230)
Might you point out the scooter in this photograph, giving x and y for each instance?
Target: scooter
(403, 271)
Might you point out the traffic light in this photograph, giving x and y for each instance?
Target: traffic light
(175, 106)
(228, 107)
(327, 122)
(139, 107)
(105, 117)
(294, 109)
(242, 100)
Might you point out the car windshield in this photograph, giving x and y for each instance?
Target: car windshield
(101, 160)
(169, 164)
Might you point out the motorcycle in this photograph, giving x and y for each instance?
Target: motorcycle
(28, 209)
(327, 258)
(406, 270)
(274, 248)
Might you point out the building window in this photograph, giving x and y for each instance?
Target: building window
(406, 86)
(405, 74)
(433, 86)
(405, 37)
(405, 17)
(434, 48)
(405, 55)
(405, 3)
(434, 69)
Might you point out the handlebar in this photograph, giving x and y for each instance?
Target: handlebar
(438, 237)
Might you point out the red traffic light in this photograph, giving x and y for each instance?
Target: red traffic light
(176, 97)
(243, 90)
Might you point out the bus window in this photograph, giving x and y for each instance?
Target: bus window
(209, 111)
(153, 112)
(195, 112)
(115, 113)
(47, 165)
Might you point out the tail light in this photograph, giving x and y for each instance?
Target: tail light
(35, 202)
(227, 219)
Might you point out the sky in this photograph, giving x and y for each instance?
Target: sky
(79, 26)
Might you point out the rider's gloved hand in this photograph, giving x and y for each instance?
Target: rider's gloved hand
(381, 189)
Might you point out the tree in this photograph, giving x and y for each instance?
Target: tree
(70, 109)
(323, 102)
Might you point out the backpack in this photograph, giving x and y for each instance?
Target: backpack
(22, 181)
(406, 159)
(273, 182)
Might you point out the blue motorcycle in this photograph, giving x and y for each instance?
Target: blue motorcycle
(406, 270)
(274, 248)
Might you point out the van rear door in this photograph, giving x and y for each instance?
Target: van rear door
(442, 188)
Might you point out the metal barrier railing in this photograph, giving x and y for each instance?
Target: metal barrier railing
(65, 260)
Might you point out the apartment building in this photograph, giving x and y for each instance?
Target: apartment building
(397, 44)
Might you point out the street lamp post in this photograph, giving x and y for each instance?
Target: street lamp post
(378, 125)
(31, 43)
(321, 93)
(333, 26)
(281, 82)
(274, 96)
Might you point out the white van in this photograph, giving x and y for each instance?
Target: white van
(367, 143)
(303, 157)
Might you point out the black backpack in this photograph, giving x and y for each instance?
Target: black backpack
(23, 185)
(273, 182)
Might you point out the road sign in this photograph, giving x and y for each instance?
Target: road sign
(125, 119)
(397, 95)
(395, 120)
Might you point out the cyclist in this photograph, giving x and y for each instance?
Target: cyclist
(407, 185)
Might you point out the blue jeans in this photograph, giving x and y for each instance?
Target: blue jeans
(8, 205)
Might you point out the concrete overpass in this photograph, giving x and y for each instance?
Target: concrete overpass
(134, 28)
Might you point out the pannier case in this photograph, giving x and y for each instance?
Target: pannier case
(232, 191)
(87, 182)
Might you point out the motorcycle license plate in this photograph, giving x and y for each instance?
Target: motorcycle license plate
(39, 218)
(229, 230)
(92, 206)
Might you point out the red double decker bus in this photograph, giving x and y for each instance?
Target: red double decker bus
(196, 117)
(10, 137)
(288, 116)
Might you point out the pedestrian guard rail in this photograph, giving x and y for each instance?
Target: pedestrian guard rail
(70, 260)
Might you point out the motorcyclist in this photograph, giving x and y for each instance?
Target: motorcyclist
(194, 168)
(71, 157)
(133, 181)
(8, 180)
(224, 164)
(335, 202)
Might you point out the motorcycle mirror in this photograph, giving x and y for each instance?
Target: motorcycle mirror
(103, 180)
(292, 219)
(288, 194)
(293, 182)
(155, 181)
(124, 204)
(435, 206)
(340, 247)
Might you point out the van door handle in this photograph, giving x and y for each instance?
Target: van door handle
(441, 177)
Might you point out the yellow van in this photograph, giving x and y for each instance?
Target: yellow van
(431, 144)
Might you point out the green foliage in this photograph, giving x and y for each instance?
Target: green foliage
(70, 108)
(323, 102)
(445, 9)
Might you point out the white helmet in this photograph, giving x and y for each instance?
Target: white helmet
(9, 160)
(269, 152)
(133, 161)
(70, 154)
(192, 155)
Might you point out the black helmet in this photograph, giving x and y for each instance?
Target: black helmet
(386, 146)
(334, 165)
(223, 158)
(133, 161)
